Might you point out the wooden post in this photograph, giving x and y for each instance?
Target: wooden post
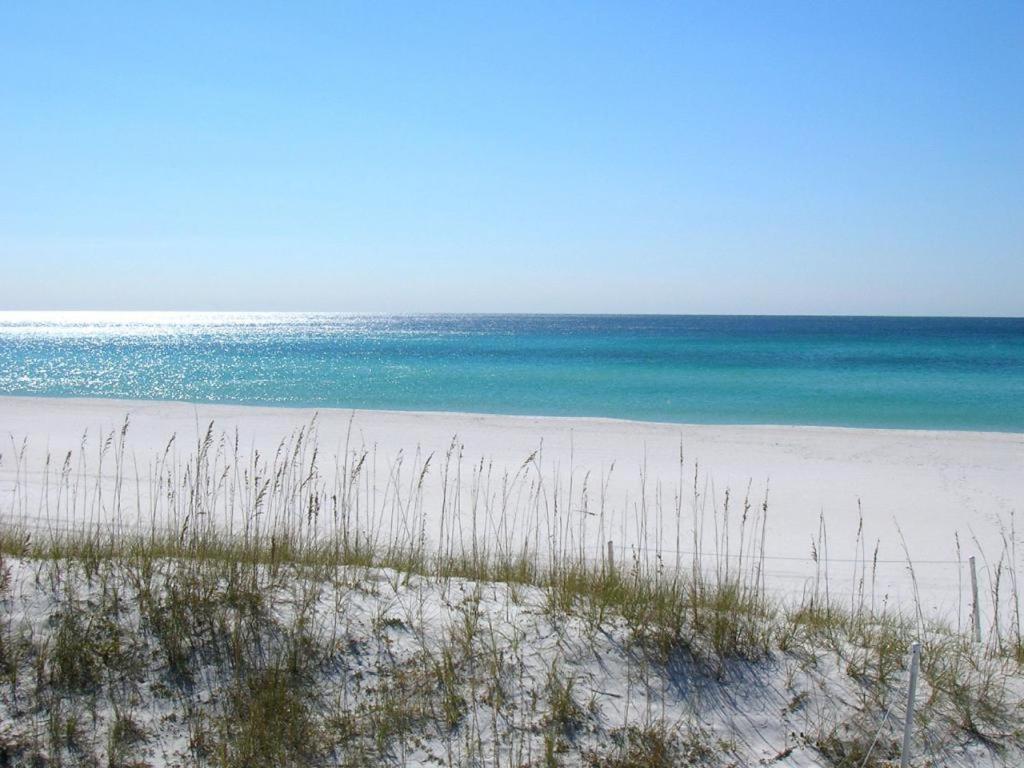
(611, 558)
(908, 724)
(975, 607)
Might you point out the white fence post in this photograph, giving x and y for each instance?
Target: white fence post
(975, 607)
(611, 558)
(908, 724)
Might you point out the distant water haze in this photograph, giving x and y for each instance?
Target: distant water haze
(929, 373)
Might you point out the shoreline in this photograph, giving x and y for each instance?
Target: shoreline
(137, 403)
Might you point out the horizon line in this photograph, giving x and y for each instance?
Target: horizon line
(450, 313)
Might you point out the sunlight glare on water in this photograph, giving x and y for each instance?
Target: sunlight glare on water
(933, 373)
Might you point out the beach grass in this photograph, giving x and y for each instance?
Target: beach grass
(222, 608)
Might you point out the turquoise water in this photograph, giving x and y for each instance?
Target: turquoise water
(932, 373)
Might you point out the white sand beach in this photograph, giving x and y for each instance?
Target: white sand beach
(933, 486)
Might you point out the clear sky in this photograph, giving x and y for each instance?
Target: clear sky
(633, 157)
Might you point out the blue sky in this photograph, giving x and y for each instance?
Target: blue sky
(635, 157)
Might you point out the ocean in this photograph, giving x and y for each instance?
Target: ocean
(926, 373)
